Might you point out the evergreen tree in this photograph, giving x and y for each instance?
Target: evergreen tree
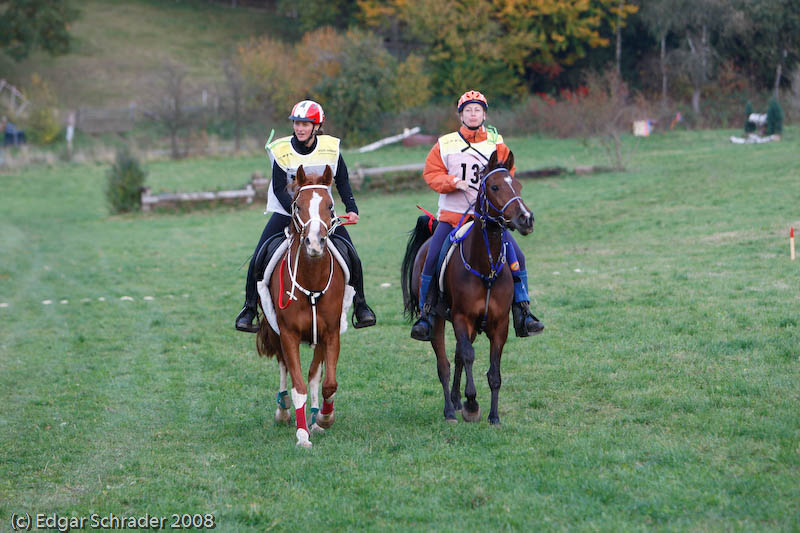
(774, 117)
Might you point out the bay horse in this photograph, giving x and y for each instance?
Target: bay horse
(478, 284)
(306, 289)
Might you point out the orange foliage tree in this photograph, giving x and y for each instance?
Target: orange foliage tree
(494, 44)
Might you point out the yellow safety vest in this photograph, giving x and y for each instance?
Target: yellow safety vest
(281, 151)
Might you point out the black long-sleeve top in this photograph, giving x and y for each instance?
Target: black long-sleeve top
(342, 180)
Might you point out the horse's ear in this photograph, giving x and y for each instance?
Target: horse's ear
(509, 162)
(492, 161)
(327, 176)
(301, 176)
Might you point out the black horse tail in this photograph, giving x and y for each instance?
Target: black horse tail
(416, 239)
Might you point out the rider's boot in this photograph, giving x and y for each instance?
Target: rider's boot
(244, 322)
(363, 316)
(525, 323)
(422, 328)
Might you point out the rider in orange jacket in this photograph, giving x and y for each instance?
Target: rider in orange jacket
(452, 168)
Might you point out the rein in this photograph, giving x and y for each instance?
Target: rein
(481, 208)
(300, 227)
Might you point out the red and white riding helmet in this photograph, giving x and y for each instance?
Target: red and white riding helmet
(472, 97)
(308, 111)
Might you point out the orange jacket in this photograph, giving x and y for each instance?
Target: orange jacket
(435, 173)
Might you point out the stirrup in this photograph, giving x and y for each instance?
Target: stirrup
(365, 321)
(525, 323)
(244, 321)
(422, 329)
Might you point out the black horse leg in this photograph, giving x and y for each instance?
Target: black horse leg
(493, 375)
(464, 349)
(443, 367)
(455, 392)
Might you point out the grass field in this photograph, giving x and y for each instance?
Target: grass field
(663, 394)
(118, 44)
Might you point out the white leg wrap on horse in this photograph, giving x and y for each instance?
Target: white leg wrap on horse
(299, 400)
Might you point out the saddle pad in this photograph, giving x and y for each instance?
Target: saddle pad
(266, 301)
(443, 267)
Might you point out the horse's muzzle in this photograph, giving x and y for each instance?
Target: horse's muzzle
(314, 247)
(523, 223)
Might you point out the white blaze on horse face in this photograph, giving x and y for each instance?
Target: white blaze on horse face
(510, 182)
(315, 227)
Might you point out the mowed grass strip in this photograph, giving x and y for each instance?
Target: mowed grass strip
(663, 393)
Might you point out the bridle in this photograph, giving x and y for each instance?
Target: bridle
(481, 209)
(301, 227)
(482, 203)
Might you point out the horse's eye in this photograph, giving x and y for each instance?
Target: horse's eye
(495, 188)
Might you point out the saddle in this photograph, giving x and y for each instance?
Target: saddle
(267, 251)
(272, 251)
(439, 303)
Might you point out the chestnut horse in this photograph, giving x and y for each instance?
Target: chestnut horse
(307, 289)
(478, 285)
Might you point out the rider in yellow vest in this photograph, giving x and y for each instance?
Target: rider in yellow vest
(314, 150)
(453, 164)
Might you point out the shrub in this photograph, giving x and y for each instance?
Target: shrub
(774, 117)
(124, 181)
(41, 125)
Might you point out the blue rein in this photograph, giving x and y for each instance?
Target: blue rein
(481, 208)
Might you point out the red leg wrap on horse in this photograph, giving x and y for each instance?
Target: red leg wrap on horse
(300, 416)
(327, 408)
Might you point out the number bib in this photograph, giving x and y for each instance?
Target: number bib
(466, 166)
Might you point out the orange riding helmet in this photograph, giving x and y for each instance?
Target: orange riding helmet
(472, 97)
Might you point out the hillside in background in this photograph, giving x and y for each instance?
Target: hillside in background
(119, 44)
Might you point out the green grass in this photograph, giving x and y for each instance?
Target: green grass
(662, 395)
(119, 44)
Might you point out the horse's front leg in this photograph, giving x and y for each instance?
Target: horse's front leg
(329, 385)
(290, 345)
(443, 368)
(314, 378)
(497, 341)
(471, 411)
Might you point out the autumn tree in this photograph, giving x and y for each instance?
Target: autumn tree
(496, 45)
(362, 90)
(29, 24)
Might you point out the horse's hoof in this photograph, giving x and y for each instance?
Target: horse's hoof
(315, 428)
(326, 421)
(471, 417)
(494, 422)
(302, 438)
(450, 420)
(282, 415)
